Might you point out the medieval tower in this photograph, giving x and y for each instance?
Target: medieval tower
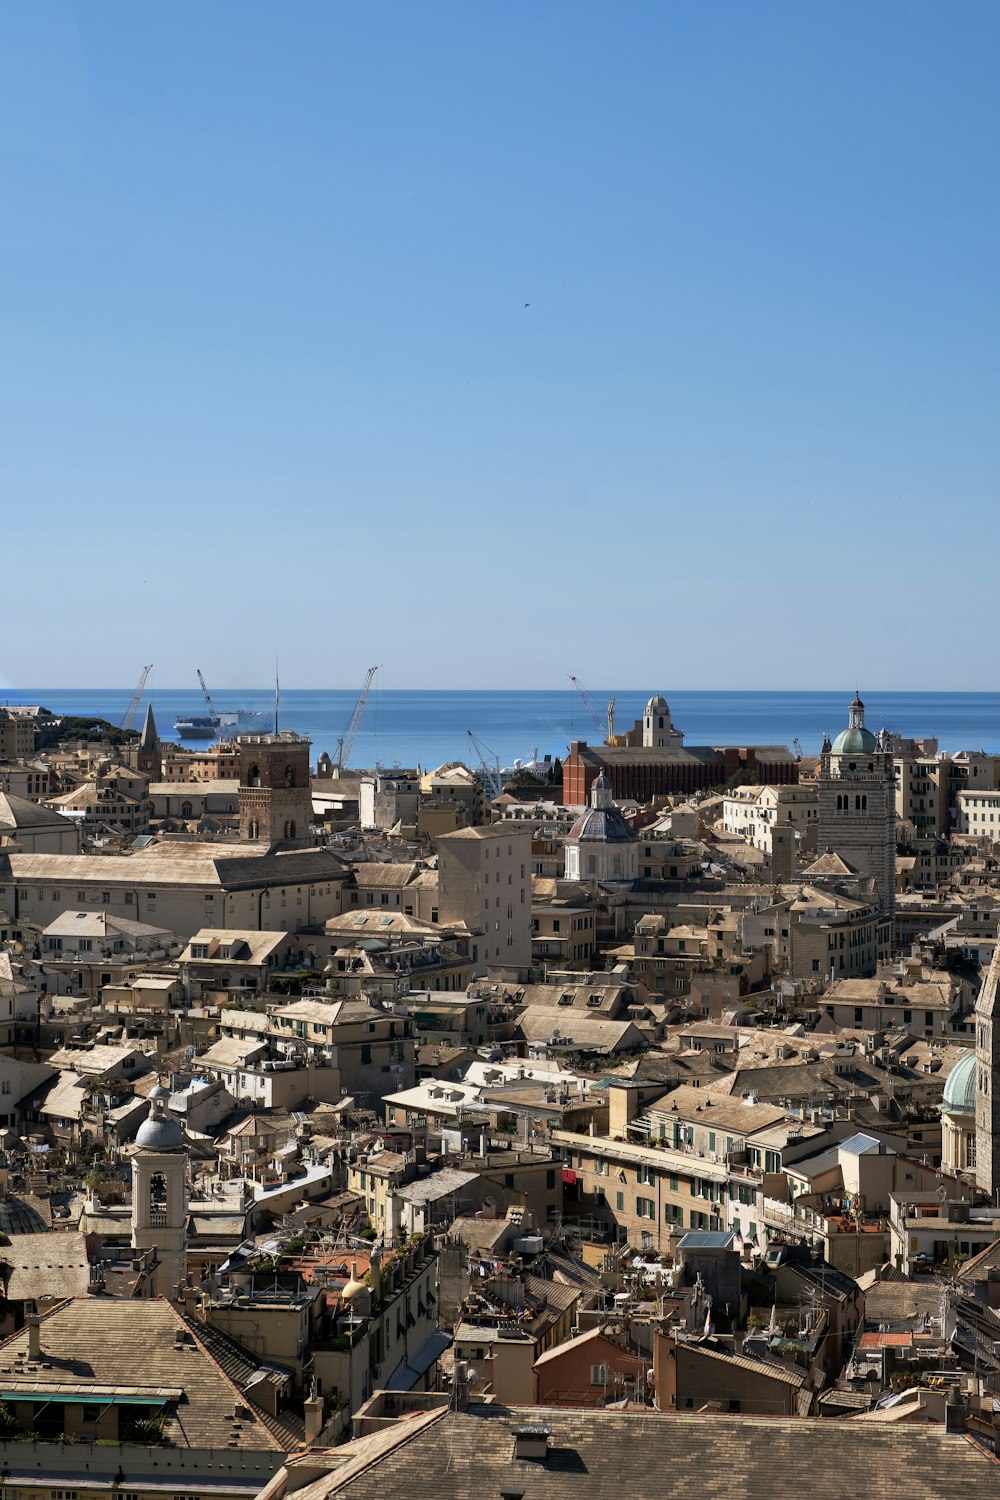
(275, 790)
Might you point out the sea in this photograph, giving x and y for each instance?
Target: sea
(427, 728)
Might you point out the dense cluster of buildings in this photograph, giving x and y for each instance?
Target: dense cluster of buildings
(358, 1129)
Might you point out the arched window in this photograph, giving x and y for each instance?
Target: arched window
(291, 829)
(857, 804)
(289, 776)
(253, 829)
(158, 1194)
(661, 721)
(186, 810)
(254, 777)
(864, 802)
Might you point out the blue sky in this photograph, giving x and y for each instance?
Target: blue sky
(269, 382)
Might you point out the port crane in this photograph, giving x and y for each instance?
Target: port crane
(346, 743)
(212, 711)
(487, 767)
(591, 706)
(133, 708)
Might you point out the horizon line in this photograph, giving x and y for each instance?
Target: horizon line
(267, 688)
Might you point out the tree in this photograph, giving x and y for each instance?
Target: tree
(523, 778)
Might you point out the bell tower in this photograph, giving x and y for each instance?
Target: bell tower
(149, 753)
(159, 1193)
(857, 805)
(275, 790)
(988, 1080)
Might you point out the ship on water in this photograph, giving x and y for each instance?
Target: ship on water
(221, 723)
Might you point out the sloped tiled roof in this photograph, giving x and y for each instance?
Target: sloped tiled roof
(594, 1455)
(109, 1344)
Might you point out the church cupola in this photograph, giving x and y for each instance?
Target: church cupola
(600, 792)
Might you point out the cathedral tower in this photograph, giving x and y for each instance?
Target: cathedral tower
(275, 790)
(857, 805)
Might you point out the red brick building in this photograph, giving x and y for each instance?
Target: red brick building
(644, 772)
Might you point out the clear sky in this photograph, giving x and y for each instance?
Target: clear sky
(656, 342)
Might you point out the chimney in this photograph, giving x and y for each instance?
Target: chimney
(532, 1443)
(34, 1326)
(314, 1418)
(954, 1411)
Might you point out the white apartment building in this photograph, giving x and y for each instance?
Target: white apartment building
(753, 811)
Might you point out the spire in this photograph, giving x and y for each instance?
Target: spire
(149, 739)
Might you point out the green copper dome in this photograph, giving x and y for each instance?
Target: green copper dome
(959, 1097)
(855, 739)
(854, 742)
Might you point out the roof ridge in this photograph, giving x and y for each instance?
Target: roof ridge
(241, 1398)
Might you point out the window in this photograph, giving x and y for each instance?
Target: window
(598, 1374)
(644, 1175)
(645, 1208)
(619, 1201)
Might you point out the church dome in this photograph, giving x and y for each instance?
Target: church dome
(855, 739)
(18, 1217)
(959, 1097)
(657, 705)
(601, 825)
(158, 1132)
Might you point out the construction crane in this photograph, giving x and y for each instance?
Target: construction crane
(594, 714)
(213, 715)
(591, 707)
(488, 767)
(346, 744)
(133, 707)
(798, 749)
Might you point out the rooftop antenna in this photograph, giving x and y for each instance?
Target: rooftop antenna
(277, 693)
